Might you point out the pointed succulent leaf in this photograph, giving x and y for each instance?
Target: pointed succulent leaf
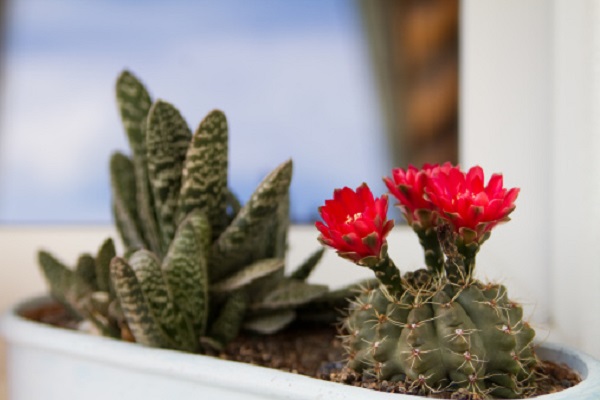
(65, 285)
(327, 308)
(186, 272)
(204, 184)
(124, 192)
(270, 323)
(86, 270)
(148, 272)
(306, 268)
(58, 276)
(238, 244)
(275, 240)
(96, 309)
(105, 254)
(288, 294)
(134, 104)
(248, 275)
(142, 322)
(167, 141)
(229, 322)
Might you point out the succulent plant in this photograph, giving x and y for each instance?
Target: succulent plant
(86, 290)
(199, 266)
(436, 328)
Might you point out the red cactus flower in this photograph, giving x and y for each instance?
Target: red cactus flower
(355, 223)
(472, 208)
(408, 187)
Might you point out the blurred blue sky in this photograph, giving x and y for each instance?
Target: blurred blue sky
(292, 76)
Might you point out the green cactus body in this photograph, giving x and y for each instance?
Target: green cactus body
(436, 329)
(440, 335)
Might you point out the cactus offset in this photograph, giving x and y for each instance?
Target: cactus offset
(437, 328)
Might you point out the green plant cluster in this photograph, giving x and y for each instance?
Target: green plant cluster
(198, 266)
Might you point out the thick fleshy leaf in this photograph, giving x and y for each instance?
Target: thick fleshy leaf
(167, 141)
(134, 104)
(204, 184)
(275, 244)
(65, 286)
(143, 323)
(289, 293)
(105, 254)
(248, 275)
(229, 322)
(147, 269)
(185, 270)
(270, 323)
(239, 244)
(307, 267)
(124, 193)
(86, 270)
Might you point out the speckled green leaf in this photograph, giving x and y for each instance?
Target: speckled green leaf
(124, 194)
(238, 244)
(134, 104)
(167, 141)
(204, 184)
(282, 226)
(143, 323)
(307, 267)
(61, 280)
(86, 270)
(288, 294)
(229, 322)
(159, 299)
(248, 275)
(105, 254)
(185, 270)
(270, 323)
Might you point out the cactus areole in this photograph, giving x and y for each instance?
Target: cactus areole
(437, 328)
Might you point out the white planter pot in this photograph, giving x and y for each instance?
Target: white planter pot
(50, 363)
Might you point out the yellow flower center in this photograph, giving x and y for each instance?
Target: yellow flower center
(352, 218)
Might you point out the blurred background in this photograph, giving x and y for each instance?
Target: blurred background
(347, 89)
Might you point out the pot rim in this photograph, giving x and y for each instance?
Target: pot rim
(18, 330)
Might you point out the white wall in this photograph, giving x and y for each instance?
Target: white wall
(529, 91)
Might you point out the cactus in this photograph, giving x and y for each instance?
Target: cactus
(437, 328)
(199, 266)
(86, 290)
